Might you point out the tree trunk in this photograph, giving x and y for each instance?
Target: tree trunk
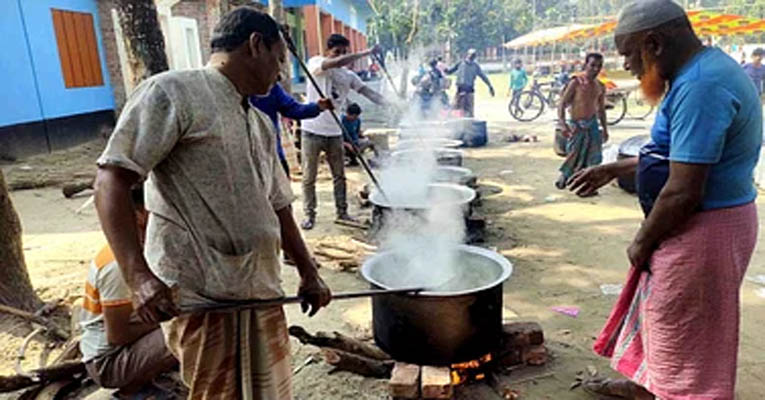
(144, 43)
(276, 9)
(15, 286)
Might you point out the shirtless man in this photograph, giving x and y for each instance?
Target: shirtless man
(585, 96)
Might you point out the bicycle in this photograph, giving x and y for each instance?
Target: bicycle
(616, 102)
(530, 104)
(638, 107)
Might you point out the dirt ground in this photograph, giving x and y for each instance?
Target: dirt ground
(563, 249)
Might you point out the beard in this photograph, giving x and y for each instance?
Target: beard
(652, 84)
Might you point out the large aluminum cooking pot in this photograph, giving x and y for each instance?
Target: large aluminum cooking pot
(428, 144)
(429, 129)
(438, 195)
(458, 175)
(443, 156)
(459, 321)
(446, 195)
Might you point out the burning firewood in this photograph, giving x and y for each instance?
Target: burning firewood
(338, 341)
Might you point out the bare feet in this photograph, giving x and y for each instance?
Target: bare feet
(617, 389)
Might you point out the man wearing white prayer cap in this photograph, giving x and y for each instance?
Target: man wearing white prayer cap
(674, 330)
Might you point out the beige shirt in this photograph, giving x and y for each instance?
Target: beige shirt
(214, 185)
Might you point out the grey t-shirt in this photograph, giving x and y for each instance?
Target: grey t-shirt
(214, 185)
(467, 71)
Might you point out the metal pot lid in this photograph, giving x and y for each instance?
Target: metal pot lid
(488, 270)
(448, 173)
(453, 195)
(428, 143)
(419, 152)
(631, 147)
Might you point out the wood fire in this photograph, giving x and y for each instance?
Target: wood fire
(470, 371)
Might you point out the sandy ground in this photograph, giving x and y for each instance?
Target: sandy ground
(563, 249)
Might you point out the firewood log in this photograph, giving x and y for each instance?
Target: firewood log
(49, 326)
(364, 366)
(66, 370)
(338, 341)
(72, 189)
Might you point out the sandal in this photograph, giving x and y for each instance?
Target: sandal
(561, 182)
(346, 217)
(308, 224)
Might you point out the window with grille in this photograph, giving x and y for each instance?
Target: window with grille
(77, 48)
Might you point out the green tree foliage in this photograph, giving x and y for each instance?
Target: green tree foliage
(486, 23)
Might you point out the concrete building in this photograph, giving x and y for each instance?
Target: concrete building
(56, 89)
(64, 59)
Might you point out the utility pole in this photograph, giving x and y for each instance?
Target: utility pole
(504, 54)
(534, 29)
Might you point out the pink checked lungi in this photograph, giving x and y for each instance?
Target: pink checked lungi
(675, 330)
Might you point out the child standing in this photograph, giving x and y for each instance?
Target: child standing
(518, 79)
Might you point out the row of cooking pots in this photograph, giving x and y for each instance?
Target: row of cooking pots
(444, 324)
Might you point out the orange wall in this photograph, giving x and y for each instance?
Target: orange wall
(314, 43)
(326, 28)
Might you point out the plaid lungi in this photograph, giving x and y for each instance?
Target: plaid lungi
(234, 355)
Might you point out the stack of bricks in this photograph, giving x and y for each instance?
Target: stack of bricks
(521, 343)
(409, 381)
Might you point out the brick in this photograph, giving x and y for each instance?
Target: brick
(519, 334)
(509, 357)
(436, 383)
(535, 355)
(405, 381)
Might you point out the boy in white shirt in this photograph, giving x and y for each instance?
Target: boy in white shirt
(322, 133)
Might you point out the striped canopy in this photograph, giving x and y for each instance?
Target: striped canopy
(705, 23)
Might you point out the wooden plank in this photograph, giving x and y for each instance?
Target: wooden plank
(71, 44)
(80, 40)
(95, 60)
(63, 50)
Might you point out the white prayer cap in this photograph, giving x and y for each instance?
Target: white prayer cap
(640, 15)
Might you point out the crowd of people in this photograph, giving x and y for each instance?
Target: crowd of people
(202, 147)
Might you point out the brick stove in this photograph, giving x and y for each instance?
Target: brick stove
(522, 344)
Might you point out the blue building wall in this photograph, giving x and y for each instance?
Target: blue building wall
(340, 9)
(56, 99)
(19, 102)
(37, 112)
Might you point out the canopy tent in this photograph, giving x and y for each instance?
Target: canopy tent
(705, 23)
(544, 36)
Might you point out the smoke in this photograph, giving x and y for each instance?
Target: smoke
(425, 224)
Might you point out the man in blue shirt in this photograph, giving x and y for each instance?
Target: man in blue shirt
(279, 101)
(674, 332)
(756, 70)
